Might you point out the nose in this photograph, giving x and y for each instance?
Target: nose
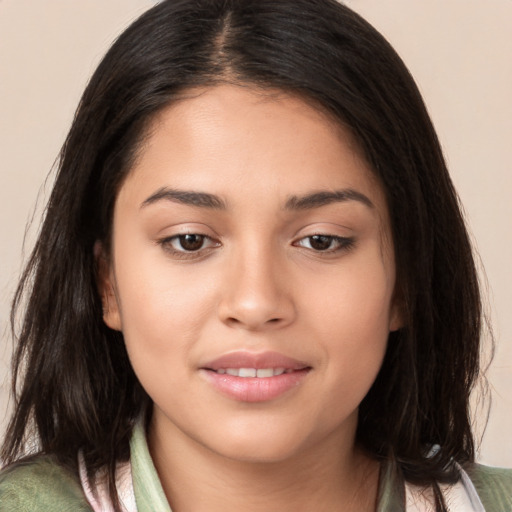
(256, 294)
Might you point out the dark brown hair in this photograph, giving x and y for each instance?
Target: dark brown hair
(76, 389)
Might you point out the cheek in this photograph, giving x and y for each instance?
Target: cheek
(162, 319)
(354, 300)
(351, 314)
(153, 288)
(163, 308)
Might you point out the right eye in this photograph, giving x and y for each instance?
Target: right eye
(188, 243)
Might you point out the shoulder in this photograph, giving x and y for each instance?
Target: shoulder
(493, 485)
(40, 484)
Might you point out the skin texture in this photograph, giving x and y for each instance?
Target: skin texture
(257, 283)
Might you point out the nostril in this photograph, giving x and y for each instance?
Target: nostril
(237, 322)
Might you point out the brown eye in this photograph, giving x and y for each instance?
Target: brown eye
(188, 245)
(320, 242)
(326, 243)
(189, 242)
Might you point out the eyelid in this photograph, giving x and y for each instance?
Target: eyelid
(166, 243)
(344, 243)
(173, 238)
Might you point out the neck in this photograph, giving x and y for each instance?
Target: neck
(320, 478)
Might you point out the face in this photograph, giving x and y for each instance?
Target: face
(251, 274)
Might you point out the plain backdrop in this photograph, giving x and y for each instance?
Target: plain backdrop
(459, 51)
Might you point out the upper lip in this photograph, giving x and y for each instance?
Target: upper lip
(242, 359)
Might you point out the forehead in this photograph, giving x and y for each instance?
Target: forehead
(232, 139)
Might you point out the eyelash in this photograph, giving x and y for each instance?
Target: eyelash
(342, 244)
(167, 244)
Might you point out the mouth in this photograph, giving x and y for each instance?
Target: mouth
(258, 373)
(249, 377)
(259, 364)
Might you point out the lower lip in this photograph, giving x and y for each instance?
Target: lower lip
(254, 389)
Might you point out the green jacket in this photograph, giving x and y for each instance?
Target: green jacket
(41, 485)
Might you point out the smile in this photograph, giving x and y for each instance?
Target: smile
(255, 377)
(253, 372)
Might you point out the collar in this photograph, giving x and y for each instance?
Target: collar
(149, 494)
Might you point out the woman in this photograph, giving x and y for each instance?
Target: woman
(253, 286)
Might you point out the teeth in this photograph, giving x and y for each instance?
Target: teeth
(253, 372)
(247, 372)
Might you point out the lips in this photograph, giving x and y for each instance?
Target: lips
(259, 373)
(249, 377)
(258, 361)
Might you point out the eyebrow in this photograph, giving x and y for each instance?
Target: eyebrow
(323, 198)
(187, 197)
(294, 203)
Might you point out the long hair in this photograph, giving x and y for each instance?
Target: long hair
(75, 388)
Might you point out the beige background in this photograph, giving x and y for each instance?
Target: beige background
(460, 52)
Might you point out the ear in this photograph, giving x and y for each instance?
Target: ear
(396, 318)
(105, 282)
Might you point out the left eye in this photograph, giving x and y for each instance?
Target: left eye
(325, 243)
(190, 242)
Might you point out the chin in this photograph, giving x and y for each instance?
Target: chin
(258, 446)
(250, 453)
